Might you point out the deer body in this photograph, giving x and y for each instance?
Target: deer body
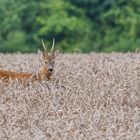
(13, 75)
(45, 71)
(43, 74)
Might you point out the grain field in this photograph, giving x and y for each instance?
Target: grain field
(91, 97)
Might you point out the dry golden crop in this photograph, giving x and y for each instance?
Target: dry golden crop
(91, 97)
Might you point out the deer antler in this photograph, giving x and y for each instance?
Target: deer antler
(53, 45)
(45, 48)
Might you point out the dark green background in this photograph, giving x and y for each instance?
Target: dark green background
(77, 25)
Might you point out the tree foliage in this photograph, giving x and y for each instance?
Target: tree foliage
(78, 26)
(66, 23)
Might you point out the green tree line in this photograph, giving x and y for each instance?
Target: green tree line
(77, 25)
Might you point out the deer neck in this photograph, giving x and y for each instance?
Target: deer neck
(44, 73)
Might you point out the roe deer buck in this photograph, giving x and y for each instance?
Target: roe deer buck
(45, 70)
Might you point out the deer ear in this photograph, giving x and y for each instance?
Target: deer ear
(56, 53)
(42, 54)
(39, 52)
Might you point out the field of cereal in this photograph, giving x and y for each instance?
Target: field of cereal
(91, 97)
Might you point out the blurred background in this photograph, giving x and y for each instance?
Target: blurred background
(77, 25)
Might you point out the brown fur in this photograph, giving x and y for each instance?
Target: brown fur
(45, 72)
(13, 75)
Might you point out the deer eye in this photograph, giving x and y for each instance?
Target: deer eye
(46, 62)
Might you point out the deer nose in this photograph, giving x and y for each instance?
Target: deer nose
(50, 69)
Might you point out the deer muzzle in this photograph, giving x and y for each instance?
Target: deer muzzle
(50, 69)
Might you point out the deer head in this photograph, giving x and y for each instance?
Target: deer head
(48, 59)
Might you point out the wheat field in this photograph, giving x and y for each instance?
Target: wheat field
(91, 97)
